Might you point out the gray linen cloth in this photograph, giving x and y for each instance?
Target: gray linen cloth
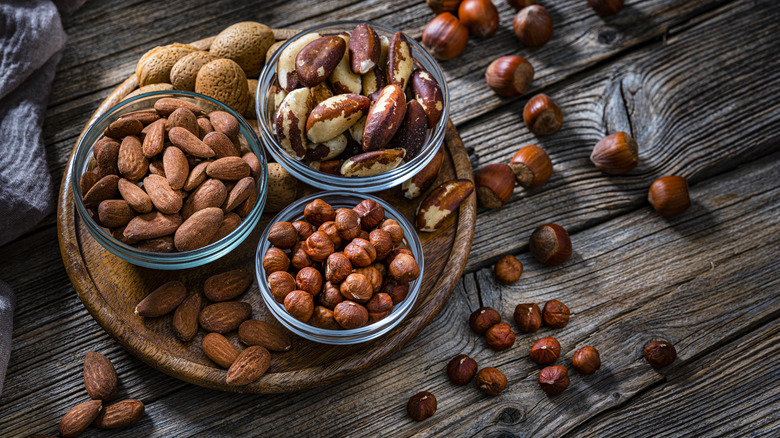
(31, 43)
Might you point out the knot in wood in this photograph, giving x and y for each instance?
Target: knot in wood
(511, 416)
(607, 35)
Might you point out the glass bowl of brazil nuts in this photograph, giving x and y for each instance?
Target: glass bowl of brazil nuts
(169, 179)
(339, 267)
(353, 105)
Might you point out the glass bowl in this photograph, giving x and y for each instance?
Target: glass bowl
(327, 181)
(149, 259)
(339, 199)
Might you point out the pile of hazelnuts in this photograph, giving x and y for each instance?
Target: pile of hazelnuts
(339, 268)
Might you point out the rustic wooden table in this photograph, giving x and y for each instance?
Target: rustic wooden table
(695, 81)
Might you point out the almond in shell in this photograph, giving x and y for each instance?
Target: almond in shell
(217, 348)
(227, 285)
(120, 414)
(79, 418)
(197, 231)
(162, 300)
(99, 377)
(256, 332)
(224, 317)
(249, 366)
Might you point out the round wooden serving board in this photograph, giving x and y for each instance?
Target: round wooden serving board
(110, 288)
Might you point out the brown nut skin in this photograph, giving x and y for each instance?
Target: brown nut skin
(371, 214)
(550, 244)
(491, 381)
(350, 315)
(586, 360)
(275, 260)
(347, 223)
(660, 354)
(606, 8)
(545, 351)
(554, 380)
(494, 184)
(357, 287)
(528, 317)
(319, 246)
(542, 115)
(324, 319)
(616, 154)
(382, 241)
(360, 252)
(555, 314)
(304, 229)
(300, 259)
(300, 304)
(461, 369)
(445, 36)
(421, 406)
(395, 230)
(310, 280)
(669, 195)
(479, 16)
(379, 307)
(520, 4)
(509, 76)
(483, 318)
(281, 283)
(373, 274)
(337, 267)
(439, 6)
(533, 26)
(404, 268)
(532, 166)
(318, 212)
(330, 296)
(500, 337)
(397, 292)
(329, 228)
(283, 235)
(508, 269)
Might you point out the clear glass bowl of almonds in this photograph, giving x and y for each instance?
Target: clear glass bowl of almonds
(339, 267)
(352, 105)
(169, 180)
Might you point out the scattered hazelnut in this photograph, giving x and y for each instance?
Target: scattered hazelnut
(508, 269)
(669, 195)
(356, 287)
(360, 252)
(379, 306)
(555, 314)
(300, 259)
(550, 244)
(373, 275)
(275, 260)
(554, 380)
(461, 369)
(337, 267)
(329, 228)
(281, 283)
(309, 280)
(495, 183)
(542, 115)
(586, 360)
(479, 16)
(396, 291)
(347, 223)
(439, 6)
(382, 241)
(445, 36)
(606, 8)
(500, 337)
(303, 228)
(371, 214)
(545, 351)
(283, 235)
(331, 295)
(421, 406)
(520, 4)
(533, 26)
(318, 212)
(660, 354)
(404, 268)
(299, 304)
(483, 318)
(350, 315)
(528, 317)
(616, 154)
(532, 166)
(395, 230)
(322, 317)
(491, 381)
(509, 76)
(319, 246)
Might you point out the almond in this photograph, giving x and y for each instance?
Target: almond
(87, 181)
(189, 143)
(364, 49)
(342, 79)
(183, 118)
(225, 123)
(124, 127)
(255, 332)
(290, 122)
(399, 62)
(204, 127)
(79, 418)
(151, 225)
(119, 414)
(220, 144)
(419, 183)
(224, 317)
(441, 203)
(196, 177)
(239, 194)
(249, 366)
(185, 318)
(131, 161)
(228, 168)
(99, 377)
(317, 60)
(106, 153)
(372, 163)
(230, 222)
(217, 348)
(160, 244)
(428, 93)
(285, 65)
(248, 205)
(105, 188)
(114, 213)
(155, 139)
(197, 231)
(176, 167)
(334, 116)
(162, 195)
(135, 196)
(167, 105)
(146, 117)
(211, 193)
(384, 118)
(162, 300)
(225, 81)
(411, 135)
(254, 164)
(228, 285)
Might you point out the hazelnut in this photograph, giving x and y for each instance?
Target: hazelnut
(319, 246)
(660, 354)
(483, 318)
(303, 228)
(382, 241)
(275, 260)
(508, 269)
(532, 166)
(350, 315)
(310, 280)
(381, 268)
(542, 115)
(669, 195)
(364, 235)
(554, 380)
(520, 4)
(404, 268)
(606, 8)
(329, 228)
(545, 351)
(283, 235)
(347, 223)
(373, 275)
(479, 16)
(396, 291)
(509, 76)
(491, 381)
(395, 230)
(528, 317)
(533, 26)
(356, 287)
(495, 183)
(461, 369)
(395, 253)
(586, 360)
(299, 304)
(371, 214)
(318, 212)
(379, 306)
(360, 252)
(337, 267)
(323, 318)
(281, 283)
(550, 244)
(331, 295)
(439, 6)
(616, 154)
(500, 337)
(445, 36)
(421, 406)
(555, 314)
(300, 259)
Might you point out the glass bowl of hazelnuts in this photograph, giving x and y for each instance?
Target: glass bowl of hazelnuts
(339, 267)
